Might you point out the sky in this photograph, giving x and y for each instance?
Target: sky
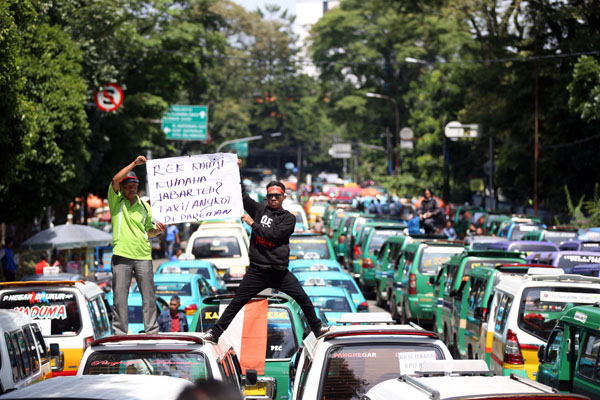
(251, 5)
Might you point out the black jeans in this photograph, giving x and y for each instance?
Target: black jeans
(256, 280)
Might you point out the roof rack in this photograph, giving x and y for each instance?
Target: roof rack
(565, 278)
(454, 367)
(445, 242)
(40, 283)
(492, 253)
(142, 337)
(366, 318)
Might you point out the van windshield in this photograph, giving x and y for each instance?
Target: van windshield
(57, 312)
(432, 258)
(310, 247)
(352, 370)
(557, 237)
(216, 247)
(380, 236)
(541, 307)
(281, 340)
(189, 366)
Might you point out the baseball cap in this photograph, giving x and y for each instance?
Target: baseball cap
(130, 177)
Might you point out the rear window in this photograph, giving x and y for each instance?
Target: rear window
(57, 312)
(541, 307)
(379, 237)
(521, 230)
(558, 237)
(216, 247)
(331, 303)
(309, 248)
(432, 258)
(571, 260)
(534, 246)
(202, 271)
(172, 288)
(281, 340)
(352, 370)
(189, 366)
(298, 216)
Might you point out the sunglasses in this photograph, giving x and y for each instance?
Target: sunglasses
(274, 196)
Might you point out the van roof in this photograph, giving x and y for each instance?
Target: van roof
(87, 288)
(586, 316)
(11, 319)
(513, 282)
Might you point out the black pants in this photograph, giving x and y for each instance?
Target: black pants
(256, 280)
(429, 225)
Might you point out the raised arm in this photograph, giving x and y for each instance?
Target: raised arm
(116, 180)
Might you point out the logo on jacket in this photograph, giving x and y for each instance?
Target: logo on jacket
(266, 221)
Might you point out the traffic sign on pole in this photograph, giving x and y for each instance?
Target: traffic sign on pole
(109, 97)
(186, 123)
(341, 150)
(241, 148)
(456, 130)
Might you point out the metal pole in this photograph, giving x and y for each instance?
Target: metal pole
(491, 177)
(397, 148)
(446, 191)
(536, 154)
(247, 139)
(299, 163)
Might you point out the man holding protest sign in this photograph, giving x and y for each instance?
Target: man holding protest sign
(132, 253)
(269, 254)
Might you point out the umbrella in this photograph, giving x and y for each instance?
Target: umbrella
(68, 236)
(370, 191)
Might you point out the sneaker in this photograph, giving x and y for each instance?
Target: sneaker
(209, 336)
(323, 330)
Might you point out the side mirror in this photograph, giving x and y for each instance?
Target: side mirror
(453, 292)
(375, 253)
(478, 312)
(251, 378)
(432, 280)
(57, 357)
(542, 353)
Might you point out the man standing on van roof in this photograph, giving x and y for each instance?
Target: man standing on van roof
(132, 253)
(269, 255)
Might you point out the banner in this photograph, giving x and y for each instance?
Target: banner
(194, 188)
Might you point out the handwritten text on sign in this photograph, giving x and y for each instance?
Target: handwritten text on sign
(199, 187)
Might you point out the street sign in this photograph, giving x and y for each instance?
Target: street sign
(406, 134)
(341, 150)
(109, 97)
(476, 185)
(456, 130)
(186, 123)
(407, 144)
(241, 148)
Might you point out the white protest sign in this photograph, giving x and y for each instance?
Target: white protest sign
(194, 188)
(411, 361)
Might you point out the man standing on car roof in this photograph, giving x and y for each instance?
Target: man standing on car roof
(269, 255)
(132, 253)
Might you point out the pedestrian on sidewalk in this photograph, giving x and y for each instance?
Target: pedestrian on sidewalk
(9, 266)
(132, 253)
(269, 254)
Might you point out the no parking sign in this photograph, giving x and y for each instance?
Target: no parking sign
(109, 97)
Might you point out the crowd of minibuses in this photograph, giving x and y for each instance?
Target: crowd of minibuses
(524, 298)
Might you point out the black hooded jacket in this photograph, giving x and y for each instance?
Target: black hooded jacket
(271, 231)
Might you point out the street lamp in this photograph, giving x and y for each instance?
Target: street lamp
(397, 133)
(247, 139)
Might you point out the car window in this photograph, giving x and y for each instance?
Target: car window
(216, 247)
(303, 375)
(541, 307)
(433, 257)
(12, 354)
(450, 275)
(171, 288)
(331, 303)
(476, 293)
(588, 364)
(310, 248)
(502, 312)
(32, 349)
(202, 289)
(351, 370)
(24, 350)
(557, 237)
(379, 236)
(520, 230)
(571, 260)
(534, 246)
(553, 346)
(187, 365)
(57, 312)
(41, 343)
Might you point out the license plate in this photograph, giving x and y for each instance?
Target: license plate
(259, 390)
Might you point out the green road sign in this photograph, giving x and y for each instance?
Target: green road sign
(186, 122)
(241, 148)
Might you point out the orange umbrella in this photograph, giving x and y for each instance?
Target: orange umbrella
(93, 201)
(370, 191)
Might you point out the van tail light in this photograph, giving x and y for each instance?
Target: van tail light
(191, 309)
(363, 307)
(87, 342)
(367, 263)
(412, 284)
(512, 349)
(342, 239)
(357, 253)
(330, 233)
